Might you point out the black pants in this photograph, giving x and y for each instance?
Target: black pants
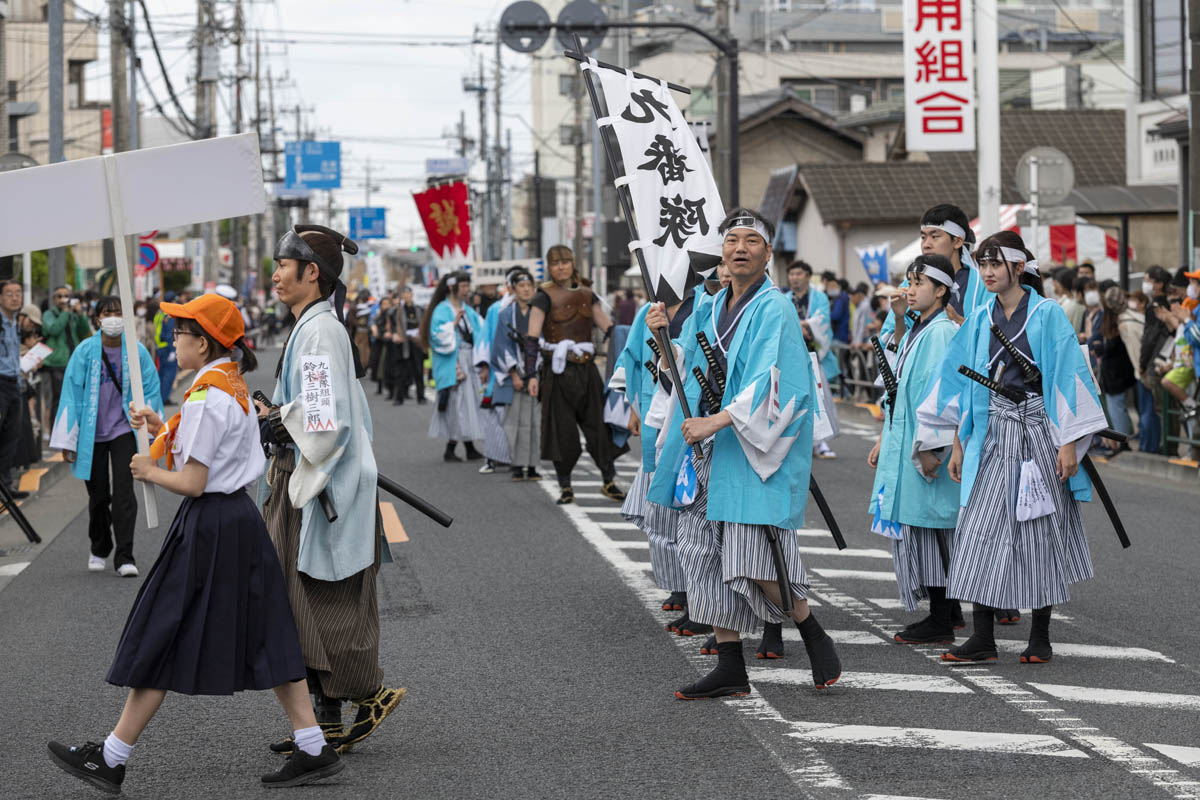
(10, 426)
(408, 366)
(573, 401)
(112, 511)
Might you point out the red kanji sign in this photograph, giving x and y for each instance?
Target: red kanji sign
(939, 81)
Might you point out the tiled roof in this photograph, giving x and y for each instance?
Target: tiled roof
(897, 191)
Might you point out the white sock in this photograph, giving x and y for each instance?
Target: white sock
(116, 752)
(310, 740)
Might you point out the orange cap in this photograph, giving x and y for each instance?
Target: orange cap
(1193, 275)
(219, 317)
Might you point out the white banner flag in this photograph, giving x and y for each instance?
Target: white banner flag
(676, 205)
(939, 75)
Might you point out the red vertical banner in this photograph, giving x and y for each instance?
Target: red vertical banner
(445, 214)
(106, 129)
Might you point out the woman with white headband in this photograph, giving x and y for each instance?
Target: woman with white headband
(913, 500)
(1020, 540)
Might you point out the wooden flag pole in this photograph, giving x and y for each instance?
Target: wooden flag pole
(125, 289)
(664, 340)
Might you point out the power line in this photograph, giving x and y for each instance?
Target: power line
(166, 75)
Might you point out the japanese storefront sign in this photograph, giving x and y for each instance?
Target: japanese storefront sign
(675, 201)
(939, 75)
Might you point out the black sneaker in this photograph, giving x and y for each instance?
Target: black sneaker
(301, 768)
(332, 730)
(531, 474)
(517, 473)
(87, 763)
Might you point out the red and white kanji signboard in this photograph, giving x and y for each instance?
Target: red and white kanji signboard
(939, 75)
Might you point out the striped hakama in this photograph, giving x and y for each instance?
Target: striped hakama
(661, 525)
(634, 507)
(722, 561)
(338, 621)
(1003, 563)
(523, 428)
(918, 563)
(495, 443)
(460, 421)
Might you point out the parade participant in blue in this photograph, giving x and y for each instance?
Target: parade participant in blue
(523, 417)
(164, 339)
(565, 314)
(212, 617)
(812, 306)
(636, 375)
(491, 412)
(945, 231)
(1020, 541)
(92, 429)
(451, 330)
(319, 429)
(749, 484)
(915, 505)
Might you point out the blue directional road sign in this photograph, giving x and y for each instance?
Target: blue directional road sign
(368, 223)
(313, 165)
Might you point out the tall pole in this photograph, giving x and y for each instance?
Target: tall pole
(537, 203)
(236, 224)
(599, 273)
(1034, 206)
(5, 145)
(367, 198)
(988, 120)
(577, 138)
(134, 127)
(485, 217)
(259, 219)
(119, 77)
(500, 234)
(507, 189)
(1193, 134)
(724, 127)
(462, 134)
(206, 118)
(54, 18)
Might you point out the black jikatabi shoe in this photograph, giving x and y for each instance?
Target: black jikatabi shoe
(771, 645)
(927, 631)
(87, 763)
(612, 491)
(371, 713)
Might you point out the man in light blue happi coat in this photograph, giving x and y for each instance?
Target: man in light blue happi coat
(749, 480)
(812, 306)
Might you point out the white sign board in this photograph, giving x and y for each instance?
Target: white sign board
(939, 75)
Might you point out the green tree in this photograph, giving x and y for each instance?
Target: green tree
(40, 270)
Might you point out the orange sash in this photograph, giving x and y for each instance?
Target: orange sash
(225, 377)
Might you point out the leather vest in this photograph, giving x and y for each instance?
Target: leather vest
(570, 314)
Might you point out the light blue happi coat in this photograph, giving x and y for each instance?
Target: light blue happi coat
(951, 401)
(339, 460)
(901, 493)
(483, 349)
(444, 340)
(79, 404)
(822, 330)
(761, 463)
(505, 354)
(631, 378)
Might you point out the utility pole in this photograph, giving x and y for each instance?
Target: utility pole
(259, 219)
(5, 147)
(207, 63)
(236, 247)
(54, 17)
(577, 138)
(987, 129)
(724, 160)
(462, 134)
(1193, 135)
(500, 231)
(367, 199)
(134, 126)
(119, 77)
(537, 203)
(483, 156)
(506, 187)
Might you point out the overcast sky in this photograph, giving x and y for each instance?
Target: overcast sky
(352, 66)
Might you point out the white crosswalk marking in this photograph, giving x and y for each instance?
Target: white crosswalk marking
(1189, 756)
(8, 570)
(790, 634)
(978, 741)
(631, 545)
(621, 526)
(864, 680)
(1120, 697)
(849, 552)
(1090, 651)
(855, 574)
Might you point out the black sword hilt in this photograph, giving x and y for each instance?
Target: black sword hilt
(710, 397)
(1032, 375)
(885, 371)
(653, 370)
(714, 366)
(652, 343)
(1004, 391)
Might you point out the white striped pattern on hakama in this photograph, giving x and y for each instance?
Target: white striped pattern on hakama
(1003, 563)
(660, 527)
(918, 563)
(523, 428)
(495, 443)
(634, 507)
(460, 420)
(722, 561)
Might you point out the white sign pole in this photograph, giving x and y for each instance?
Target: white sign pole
(987, 58)
(125, 288)
(1034, 220)
(27, 275)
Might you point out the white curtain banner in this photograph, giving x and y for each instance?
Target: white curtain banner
(676, 205)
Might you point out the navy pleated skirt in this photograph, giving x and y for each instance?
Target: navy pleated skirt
(212, 616)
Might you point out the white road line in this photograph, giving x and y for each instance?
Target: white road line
(1120, 697)
(622, 526)
(934, 738)
(613, 509)
(849, 552)
(790, 634)
(1090, 651)
(632, 545)
(854, 574)
(893, 797)
(1184, 755)
(894, 603)
(864, 680)
(803, 764)
(8, 570)
(814, 533)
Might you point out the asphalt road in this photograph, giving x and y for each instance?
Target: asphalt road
(531, 643)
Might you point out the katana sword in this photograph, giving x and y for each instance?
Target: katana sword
(10, 505)
(653, 345)
(1017, 396)
(714, 364)
(653, 369)
(890, 385)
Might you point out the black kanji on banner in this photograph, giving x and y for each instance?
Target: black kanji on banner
(648, 104)
(666, 159)
(679, 219)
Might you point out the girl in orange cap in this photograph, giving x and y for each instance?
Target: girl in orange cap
(213, 615)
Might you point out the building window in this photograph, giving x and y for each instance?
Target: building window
(1164, 70)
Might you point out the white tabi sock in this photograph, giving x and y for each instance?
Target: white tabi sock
(310, 740)
(116, 752)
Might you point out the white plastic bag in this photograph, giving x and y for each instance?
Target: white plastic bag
(1033, 496)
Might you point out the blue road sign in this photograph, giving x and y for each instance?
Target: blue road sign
(368, 223)
(313, 165)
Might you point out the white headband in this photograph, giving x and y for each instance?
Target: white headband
(952, 228)
(451, 282)
(1013, 256)
(933, 273)
(750, 224)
